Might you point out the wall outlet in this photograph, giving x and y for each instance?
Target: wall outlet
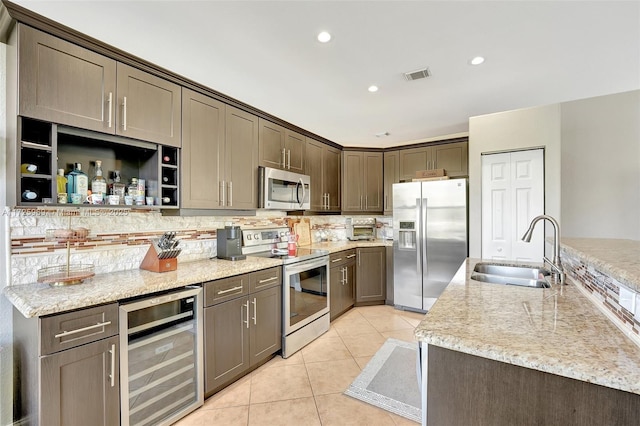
(627, 299)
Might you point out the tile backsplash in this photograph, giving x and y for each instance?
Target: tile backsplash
(604, 290)
(118, 238)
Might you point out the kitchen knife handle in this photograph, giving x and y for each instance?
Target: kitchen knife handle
(110, 112)
(124, 113)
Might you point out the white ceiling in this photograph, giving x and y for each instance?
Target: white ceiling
(265, 53)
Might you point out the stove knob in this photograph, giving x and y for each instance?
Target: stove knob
(248, 236)
(256, 236)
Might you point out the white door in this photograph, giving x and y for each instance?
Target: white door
(512, 195)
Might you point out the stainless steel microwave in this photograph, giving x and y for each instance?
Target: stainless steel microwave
(282, 190)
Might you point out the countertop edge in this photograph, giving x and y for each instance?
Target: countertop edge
(533, 358)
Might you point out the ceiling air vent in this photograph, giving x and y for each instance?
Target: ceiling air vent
(417, 75)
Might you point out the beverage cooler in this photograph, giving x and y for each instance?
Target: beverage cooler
(161, 357)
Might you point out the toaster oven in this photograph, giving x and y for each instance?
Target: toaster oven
(361, 228)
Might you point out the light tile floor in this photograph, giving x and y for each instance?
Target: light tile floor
(306, 388)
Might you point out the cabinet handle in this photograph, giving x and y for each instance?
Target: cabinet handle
(112, 374)
(221, 193)
(110, 113)
(366, 202)
(124, 113)
(284, 156)
(229, 290)
(359, 258)
(344, 275)
(255, 313)
(336, 260)
(246, 306)
(386, 202)
(230, 200)
(288, 159)
(266, 280)
(351, 256)
(80, 330)
(361, 202)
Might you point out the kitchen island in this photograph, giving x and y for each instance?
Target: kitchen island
(513, 355)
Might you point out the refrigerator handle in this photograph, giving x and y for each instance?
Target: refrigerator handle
(418, 236)
(423, 235)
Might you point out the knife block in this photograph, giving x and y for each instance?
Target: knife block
(153, 264)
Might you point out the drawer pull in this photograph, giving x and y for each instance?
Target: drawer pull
(229, 290)
(266, 280)
(351, 256)
(336, 260)
(80, 330)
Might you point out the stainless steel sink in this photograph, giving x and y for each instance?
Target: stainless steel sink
(526, 276)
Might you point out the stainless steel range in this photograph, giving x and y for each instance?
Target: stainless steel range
(305, 283)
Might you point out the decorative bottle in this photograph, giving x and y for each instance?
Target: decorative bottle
(133, 188)
(99, 183)
(61, 186)
(77, 183)
(117, 187)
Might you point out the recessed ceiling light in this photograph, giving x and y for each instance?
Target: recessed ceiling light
(324, 37)
(477, 60)
(373, 89)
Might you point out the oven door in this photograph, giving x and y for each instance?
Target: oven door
(283, 190)
(305, 292)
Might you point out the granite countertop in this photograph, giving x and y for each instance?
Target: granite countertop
(615, 257)
(556, 330)
(34, 300)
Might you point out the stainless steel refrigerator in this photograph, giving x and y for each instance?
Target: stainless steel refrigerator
(429, 239)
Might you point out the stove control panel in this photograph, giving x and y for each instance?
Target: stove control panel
(265, 236)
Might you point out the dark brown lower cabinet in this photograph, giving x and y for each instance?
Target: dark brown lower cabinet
(242, 333)
(226, 343)
(67, 368)
(265, 326)
(371, 280)
(80, 386)
(465, 389)
(342, 279)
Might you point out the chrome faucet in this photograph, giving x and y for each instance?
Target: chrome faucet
(556, 264)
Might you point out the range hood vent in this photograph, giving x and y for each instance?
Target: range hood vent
(417, 75)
